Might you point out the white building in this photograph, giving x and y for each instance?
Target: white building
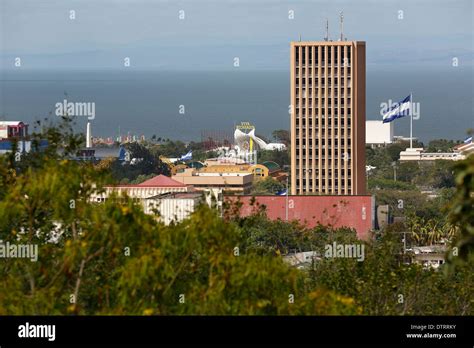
(378, 133)
(173, 207)
(431, 256)
(417, 154)
(171, 200)
(150, 188)
(302, 259)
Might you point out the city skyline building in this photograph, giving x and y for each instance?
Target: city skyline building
(328, 117)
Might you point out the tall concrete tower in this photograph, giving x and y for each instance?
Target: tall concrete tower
(328, 117)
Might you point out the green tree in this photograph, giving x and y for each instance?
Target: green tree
(441, 145)
(111, 258)
(142, 162)
(281, 157)
(282, 135)
(267, 186)
(462, 208)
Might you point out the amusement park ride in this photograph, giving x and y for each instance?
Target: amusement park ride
(244, 151)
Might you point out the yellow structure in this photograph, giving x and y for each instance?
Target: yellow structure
(257, 170)
(174, 168)
(237, 182)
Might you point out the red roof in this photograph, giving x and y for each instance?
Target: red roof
(162, 181)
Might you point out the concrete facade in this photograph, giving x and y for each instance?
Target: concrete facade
(173, 207)
(225, 182)
(378, 133)
(327, 82)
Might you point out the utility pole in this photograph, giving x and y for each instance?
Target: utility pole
(394, 165)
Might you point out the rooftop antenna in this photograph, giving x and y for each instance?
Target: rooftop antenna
(341, 16)
(327, 30)
(300, 37)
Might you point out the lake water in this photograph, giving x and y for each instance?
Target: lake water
(148, 102)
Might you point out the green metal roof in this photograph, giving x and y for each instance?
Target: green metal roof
(272, 166)
(195, 164)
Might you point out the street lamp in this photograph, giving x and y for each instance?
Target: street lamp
(394, 165)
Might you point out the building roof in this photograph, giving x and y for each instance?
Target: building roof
(11, 123)
(272, 166)
(108, 151)
(162, 181)
(195, 164)
(177, 195)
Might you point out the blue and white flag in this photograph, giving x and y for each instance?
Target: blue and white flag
(122, 153)
(282, 192)
(398, 110)
(468, 140)
(186, 157)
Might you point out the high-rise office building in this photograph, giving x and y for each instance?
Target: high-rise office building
(328, 117)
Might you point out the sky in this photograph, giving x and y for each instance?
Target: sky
(402, 34)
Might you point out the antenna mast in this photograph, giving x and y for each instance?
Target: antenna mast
(341, 15)
(327, 30)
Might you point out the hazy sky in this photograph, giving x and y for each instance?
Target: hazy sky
(213, 32)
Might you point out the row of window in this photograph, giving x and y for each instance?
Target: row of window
(337, 100)
(323, 182)
(323, 142)
(336, 120)
(323, 171)
(335, 108)
(332, 129)
(334, 161)
(333, 54)
(323, 189)
(301, 113)
(309, 96)
(316, 73)
(330, 81)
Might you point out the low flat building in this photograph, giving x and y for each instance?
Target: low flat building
(259, 171)
(432, 256)
(465, 149)
(158, 185)
(173, 207)
(223, 182)
(357, 212)
(303, 259)
(16, 133)
(419, 154)
(13, 129)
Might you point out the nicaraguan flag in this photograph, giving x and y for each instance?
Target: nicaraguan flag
(398, 110)
(468, 140)
(282, 192)
(187, 157)
(122, 153)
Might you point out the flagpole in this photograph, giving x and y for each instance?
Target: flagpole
(286, 210)
(411, 120)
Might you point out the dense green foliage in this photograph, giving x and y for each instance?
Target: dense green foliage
(267, 186)
(111, 258)
(383, 284)
(462, 206)
(281, 157)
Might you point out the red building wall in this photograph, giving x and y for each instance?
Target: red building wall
(337, 211)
